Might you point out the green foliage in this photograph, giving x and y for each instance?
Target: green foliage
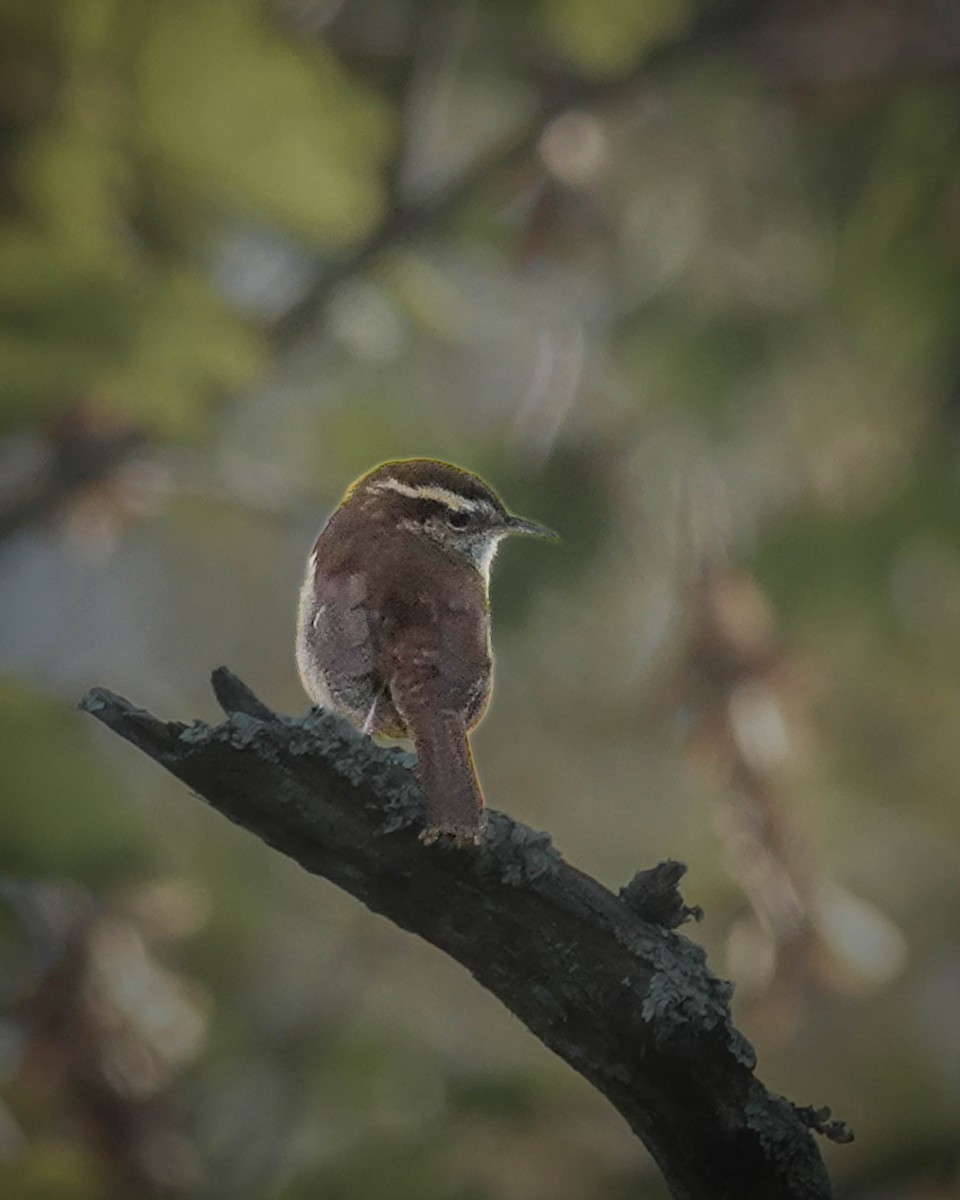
(161, 122)
(709, 320)
(258, 122)
(151, 346)
(412, 1172)
(189, 347)
(825, 567)
(53, 1169)
(66, 315)
(607, 36)
(62, 816)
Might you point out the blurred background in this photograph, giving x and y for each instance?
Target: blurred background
(682, 279)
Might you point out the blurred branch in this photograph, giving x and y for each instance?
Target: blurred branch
(746, 705)
(78, 457)
(94, 460)
(93, 1056)
(734, 683)
(403, 222)
(422, 18)
(625, 1001)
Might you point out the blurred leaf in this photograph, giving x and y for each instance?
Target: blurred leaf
(826, 569)
(256, 122)
(190, 346)
(88, 27)
(607, 36)
(50, 1169)
(698, 366)
(74, 322)
(73, 179)
(388, 1165)
(65, 315)
(62, 816)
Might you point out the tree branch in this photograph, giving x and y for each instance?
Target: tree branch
(77, 459)
(717, 26)
(625, 1001)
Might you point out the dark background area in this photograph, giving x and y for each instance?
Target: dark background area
(683, 281)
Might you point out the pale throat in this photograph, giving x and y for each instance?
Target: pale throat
(485, 554)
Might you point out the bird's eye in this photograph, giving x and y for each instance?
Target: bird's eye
(458, 520)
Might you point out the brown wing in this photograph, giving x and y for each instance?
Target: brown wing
(335, 650)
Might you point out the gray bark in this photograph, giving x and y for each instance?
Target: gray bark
(603, 980)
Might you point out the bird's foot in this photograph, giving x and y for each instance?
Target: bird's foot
(457, 837)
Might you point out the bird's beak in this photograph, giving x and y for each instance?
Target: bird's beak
(534, 528)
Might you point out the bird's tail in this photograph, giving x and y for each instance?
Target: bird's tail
(448, 779)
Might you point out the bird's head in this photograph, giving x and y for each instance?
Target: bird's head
(451, 507)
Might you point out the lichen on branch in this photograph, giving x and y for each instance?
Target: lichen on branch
(603, 980)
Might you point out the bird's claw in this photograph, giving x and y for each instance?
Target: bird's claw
(456, 837)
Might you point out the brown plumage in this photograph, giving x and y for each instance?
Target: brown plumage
(394, 625)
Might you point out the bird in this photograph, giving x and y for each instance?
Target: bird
(393, 627)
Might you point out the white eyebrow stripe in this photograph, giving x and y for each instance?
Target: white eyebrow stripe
(431, 491)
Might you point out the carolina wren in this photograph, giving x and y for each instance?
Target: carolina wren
(394, 621)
